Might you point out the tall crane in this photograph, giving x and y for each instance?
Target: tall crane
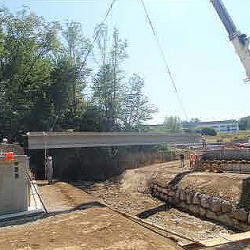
(240, 41)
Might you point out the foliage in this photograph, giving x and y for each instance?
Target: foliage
(206, 131)
(44, 79)
(107, 83)
(172, 124)
(244, 123)
(136, 107)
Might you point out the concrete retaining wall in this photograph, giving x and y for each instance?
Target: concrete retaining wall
(227, 154)
(204, 206)
(226, 166)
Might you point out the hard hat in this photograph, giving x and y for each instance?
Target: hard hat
(5, 140)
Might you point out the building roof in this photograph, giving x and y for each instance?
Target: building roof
(216, 122)
(210, 123)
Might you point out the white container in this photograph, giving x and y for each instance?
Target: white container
(14, 185)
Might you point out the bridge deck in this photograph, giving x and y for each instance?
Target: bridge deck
(41, 140)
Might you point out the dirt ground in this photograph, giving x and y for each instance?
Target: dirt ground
(130, 194)
(232, 187)
(78, 221)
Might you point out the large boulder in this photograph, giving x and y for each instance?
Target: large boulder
(205, 201)
(226, 207)
(240, 214)
(215, 205)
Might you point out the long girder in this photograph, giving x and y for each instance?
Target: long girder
(46, 140)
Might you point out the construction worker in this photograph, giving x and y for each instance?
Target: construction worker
(2, 146)
(204, 143)
(49, 169)
(191, 160)
(182, 157)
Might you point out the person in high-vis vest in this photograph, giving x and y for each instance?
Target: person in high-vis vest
(193, 159)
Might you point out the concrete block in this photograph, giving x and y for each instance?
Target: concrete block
(197, 199)
(215, 205)
(205, 201)
(243, 226)
(171, 193)
(211, 215)
(177, 199)
(182, 195)
(226, 207)
(225, 219)
(182, 205)
(194, 209)
(240, 214)
(171, 200)
(177, 194)
(248, 219)
(189, 197)
(202, 212)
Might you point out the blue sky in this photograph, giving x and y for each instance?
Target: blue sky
(207, 71)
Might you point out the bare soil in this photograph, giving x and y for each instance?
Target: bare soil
(130, 194)
(232, 187)
(78, 221)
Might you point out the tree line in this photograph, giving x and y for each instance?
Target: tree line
(174, 124)
(46, 83)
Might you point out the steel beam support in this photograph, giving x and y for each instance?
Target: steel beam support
(42, 140)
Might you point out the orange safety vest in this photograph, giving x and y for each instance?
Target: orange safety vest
(193, 158)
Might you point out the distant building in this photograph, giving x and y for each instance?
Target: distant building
(218, 126)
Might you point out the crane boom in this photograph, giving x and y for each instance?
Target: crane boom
(239, 40)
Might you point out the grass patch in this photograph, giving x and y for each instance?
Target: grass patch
(229, 136)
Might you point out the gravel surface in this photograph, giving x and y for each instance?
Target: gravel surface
(78, 221)
(129, 194)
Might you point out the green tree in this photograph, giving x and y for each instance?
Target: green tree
(69, 78)
(76, 48)
(206, 131)
(244, 123)
(107, 83)
(28, 42)
(172, 124)
(136, 107)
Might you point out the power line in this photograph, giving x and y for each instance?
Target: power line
(164, 59)
(91, 46)
(97, 33)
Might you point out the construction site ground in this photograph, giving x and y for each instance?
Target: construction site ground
(80, 220)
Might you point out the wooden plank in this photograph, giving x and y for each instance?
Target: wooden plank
(227, 239)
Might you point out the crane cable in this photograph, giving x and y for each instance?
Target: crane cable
(164, 59)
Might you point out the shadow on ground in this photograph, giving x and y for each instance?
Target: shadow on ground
(23, 220)
(180, 176)
(147, 213)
